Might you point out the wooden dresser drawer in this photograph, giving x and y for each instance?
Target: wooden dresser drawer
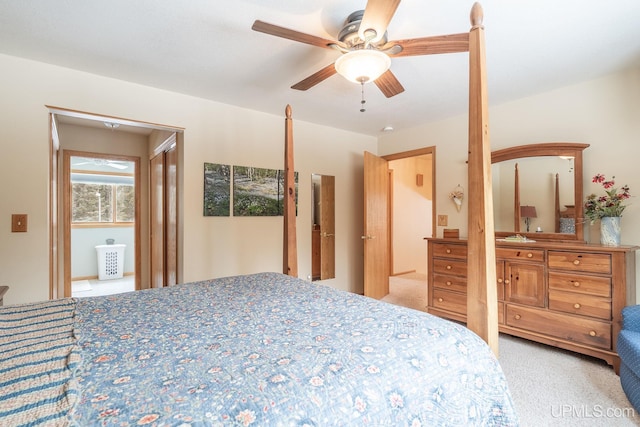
(571, 328)
(592, 285)
(452, 283)
(582, 262)
(450, 266)
(520, 254)
(577, 303)
(449, 250)
(451, 301)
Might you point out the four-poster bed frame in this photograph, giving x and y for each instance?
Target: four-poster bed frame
(482, 295)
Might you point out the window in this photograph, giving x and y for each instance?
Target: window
(103, 199)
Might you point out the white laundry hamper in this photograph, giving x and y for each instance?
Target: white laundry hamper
(110, 261)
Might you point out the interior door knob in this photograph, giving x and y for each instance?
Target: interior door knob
(367, 237)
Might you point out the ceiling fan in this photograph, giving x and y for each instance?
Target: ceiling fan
(364, 38)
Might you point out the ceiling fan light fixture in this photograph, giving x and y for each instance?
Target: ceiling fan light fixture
(363, 65)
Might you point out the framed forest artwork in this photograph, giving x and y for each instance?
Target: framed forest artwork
(259, 191)
(217, 190)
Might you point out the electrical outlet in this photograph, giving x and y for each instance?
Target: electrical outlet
(18, 223)
(443, 220)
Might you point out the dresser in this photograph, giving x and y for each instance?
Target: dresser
(567, 295)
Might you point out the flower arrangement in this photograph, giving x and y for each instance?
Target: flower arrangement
(609, 205)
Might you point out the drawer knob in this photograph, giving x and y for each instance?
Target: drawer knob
(507, 281)
(440, 300)
(576, 284)
(449, 267)
(500, 280)
(448, 283)
(529, 255)
(448, 251)
(517, 317)
(592, 333)
(576, 262)
(576, 305)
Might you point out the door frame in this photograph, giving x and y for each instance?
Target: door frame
(375, 286)
(56, 257)
(407, 155)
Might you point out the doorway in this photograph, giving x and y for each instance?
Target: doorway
(384, 207)
(111, 140)
(102, 199)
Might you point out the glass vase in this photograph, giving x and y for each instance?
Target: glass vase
(610, 231)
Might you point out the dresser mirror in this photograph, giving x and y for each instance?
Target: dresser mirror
(537, 191)
(323, 240)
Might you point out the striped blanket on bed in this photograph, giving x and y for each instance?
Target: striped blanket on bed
(37, 357)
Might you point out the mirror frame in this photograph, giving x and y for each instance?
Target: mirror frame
(573, 149)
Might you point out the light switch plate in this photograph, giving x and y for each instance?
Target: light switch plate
(18, 223)
(443, 220)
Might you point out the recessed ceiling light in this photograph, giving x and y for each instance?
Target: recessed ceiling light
(387, 129)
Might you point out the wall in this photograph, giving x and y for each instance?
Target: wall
(214, 132)
(604, 112)
(412, 219)
(84, 259)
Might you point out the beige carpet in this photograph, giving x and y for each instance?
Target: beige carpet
(550, 386)
(408, 290)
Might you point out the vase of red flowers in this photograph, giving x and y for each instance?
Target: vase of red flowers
(610, 231)
(608, 209)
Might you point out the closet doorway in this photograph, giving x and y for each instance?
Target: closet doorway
(114, 139)
(399, 193)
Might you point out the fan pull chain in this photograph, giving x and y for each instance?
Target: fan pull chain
(362, 102)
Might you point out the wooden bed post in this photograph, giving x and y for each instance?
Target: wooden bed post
(482, 298)
(290, 250)
(557, 205)
(516, 199)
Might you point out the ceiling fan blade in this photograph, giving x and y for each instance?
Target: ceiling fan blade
(377, 16)
(294, 35)
(315, 78)
(389, 84)
(451, 43)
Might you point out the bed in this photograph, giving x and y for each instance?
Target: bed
(259, 349)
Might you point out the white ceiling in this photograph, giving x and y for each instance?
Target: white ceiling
(207, 49)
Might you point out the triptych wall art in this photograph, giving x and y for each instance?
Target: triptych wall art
(249, 191)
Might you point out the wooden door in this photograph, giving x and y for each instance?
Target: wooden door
(156, 211)
(526, 284)
(327, 227)
(376, 226)
(171, 214)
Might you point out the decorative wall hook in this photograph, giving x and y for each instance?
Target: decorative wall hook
(457, 195)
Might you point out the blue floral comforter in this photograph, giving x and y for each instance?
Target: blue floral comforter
(272, 350)
(265, 350)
